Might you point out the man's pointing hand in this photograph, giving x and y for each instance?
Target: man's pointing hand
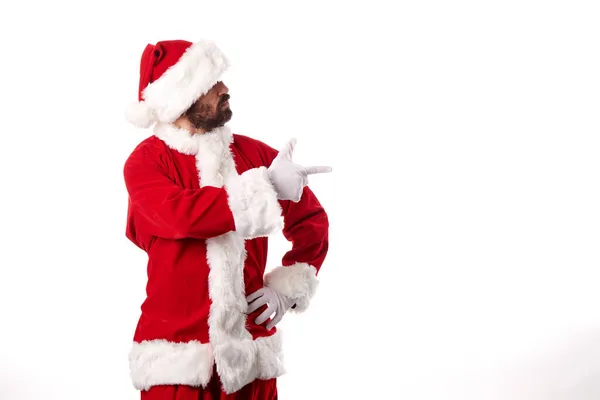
(288, 178)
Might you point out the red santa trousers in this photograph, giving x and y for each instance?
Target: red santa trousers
(255, 390)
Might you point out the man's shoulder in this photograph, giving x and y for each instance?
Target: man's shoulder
(149, 145)
(251, 142)
(250, 146)
(147, 150)
(246, 140)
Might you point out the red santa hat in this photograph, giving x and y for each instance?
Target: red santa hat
(173, 75)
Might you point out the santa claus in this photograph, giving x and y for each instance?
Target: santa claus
(202, 203)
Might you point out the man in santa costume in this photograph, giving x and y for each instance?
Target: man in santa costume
(202, 203)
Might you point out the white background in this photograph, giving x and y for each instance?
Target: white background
(464, 200)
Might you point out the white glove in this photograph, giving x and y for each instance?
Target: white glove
(288, 178)
(277, 304)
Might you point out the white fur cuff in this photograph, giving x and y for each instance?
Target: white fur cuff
(253, 202)
(159, 362)
(298, 282)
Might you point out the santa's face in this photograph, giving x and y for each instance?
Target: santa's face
(212, 109)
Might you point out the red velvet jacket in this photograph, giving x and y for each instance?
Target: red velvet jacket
(202, 207)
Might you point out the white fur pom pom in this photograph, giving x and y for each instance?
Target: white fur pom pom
(140, 115)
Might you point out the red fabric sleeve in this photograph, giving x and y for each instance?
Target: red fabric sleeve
(307, 227)
(171, 211)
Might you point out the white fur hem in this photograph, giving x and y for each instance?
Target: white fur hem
(253, 202)
(240, 362)
(298, 282)
(160, 362)
(198, 69)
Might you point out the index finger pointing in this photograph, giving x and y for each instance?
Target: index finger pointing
(317, 170)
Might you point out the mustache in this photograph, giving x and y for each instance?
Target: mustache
(224, 98)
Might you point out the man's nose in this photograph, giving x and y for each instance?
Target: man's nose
(223, 89)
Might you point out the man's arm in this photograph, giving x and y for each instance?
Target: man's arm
(249, 205)
(306, 226)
